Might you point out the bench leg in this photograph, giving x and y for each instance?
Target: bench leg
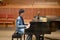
(20, 38)
(12, 38)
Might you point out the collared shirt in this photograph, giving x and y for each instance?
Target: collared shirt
(20, 25)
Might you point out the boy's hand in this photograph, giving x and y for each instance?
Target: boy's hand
(28, 25)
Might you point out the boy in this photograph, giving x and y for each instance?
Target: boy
(20, 26)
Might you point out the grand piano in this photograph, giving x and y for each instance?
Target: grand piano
(38, 28)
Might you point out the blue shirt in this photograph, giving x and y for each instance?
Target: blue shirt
(20, 25)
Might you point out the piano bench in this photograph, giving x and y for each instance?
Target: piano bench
(17, 35)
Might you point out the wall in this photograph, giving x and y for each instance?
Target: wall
(30, 9)
(28, 1)
(31, 12)
(18, 1)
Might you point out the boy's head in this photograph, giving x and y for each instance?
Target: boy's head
(21, 11)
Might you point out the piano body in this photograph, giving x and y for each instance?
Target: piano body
(39, 28)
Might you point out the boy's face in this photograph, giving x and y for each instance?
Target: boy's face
(21, 14)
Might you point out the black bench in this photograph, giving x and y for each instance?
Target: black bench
(17, 35)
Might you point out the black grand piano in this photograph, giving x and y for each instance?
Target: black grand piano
(38, 28)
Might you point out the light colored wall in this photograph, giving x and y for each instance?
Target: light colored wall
(31, 12)
(19, 1)
(28, 1)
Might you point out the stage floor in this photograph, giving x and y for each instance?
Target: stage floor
(7, 35)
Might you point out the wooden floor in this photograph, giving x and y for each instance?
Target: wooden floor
(7, 35)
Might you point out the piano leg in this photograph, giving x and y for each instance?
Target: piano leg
(37, 37)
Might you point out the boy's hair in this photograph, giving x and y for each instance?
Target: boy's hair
(21, 11)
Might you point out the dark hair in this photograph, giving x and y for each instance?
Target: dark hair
(21, 11)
